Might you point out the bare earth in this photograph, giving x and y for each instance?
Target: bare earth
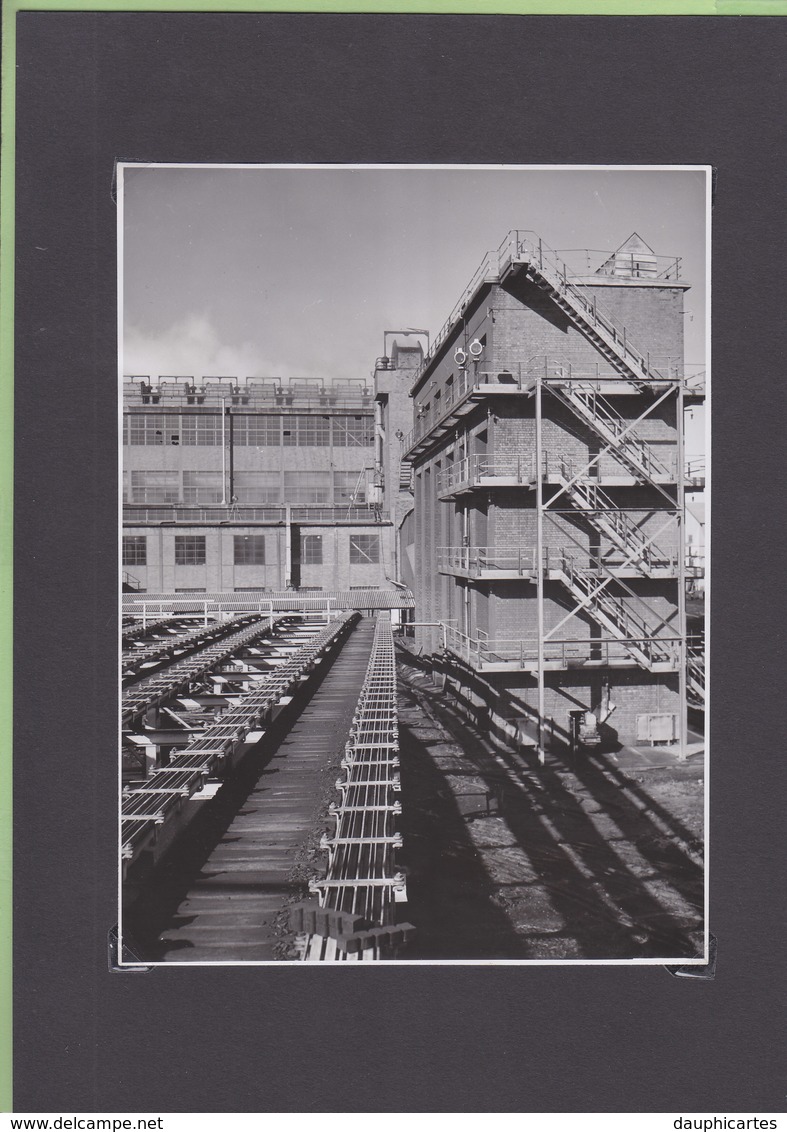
(576, 859)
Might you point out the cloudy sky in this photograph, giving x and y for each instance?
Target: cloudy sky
(298, 272)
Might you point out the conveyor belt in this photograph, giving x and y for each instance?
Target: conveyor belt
(164, 649)
(133, 629)
(261, 830)
(149, 806)
(178, 677)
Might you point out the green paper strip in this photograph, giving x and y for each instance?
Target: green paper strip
(432, 7)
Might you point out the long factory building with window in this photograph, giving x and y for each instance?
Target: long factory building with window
(251, 485)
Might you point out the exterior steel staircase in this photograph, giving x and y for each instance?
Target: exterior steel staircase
(597, 412)
(550, 275)
(611, 614)
(603, 513)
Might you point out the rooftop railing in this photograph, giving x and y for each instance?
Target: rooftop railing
(251, 392)
(626, 265)
(236, 513)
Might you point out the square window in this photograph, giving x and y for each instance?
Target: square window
(353, 432)
(364, 549)
(256, 431)
(189, 550)
(249, 550)
(203, 430)
(135, 550)
(307, 487)
(257, 487)
(149, 428)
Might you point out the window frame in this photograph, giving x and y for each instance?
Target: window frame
(247, 542)
(183, 552)
(360, 556)
(139, 541)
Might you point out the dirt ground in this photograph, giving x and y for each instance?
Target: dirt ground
(576, 859)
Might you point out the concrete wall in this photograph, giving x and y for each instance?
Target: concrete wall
(220, 573)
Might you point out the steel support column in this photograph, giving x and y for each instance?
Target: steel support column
(684, 659)
(540, 567)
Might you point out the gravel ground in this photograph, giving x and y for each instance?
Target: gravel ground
(573, 860)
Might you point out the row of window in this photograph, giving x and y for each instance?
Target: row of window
(250, 488)
(258, 430)
(249, 550)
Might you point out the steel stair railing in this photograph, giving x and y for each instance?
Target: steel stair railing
(696, 680)
(601, 511)
(597, 412)
(550, 274)
(612, 615)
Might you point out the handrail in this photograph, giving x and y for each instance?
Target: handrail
(486, 377)
(556, 557)
(569, 651)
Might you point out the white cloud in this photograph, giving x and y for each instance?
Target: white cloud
(191, 347)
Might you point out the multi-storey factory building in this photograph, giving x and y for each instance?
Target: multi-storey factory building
(394, 373)
(251, 485)
(549, 481)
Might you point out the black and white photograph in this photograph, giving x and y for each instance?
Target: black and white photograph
(413, 594)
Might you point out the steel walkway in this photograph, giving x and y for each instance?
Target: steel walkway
(230, 912)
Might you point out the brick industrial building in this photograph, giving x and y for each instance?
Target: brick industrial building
(251, 485)
(526, 479)
(549, 483)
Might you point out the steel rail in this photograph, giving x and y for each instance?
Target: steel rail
(362, 877)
